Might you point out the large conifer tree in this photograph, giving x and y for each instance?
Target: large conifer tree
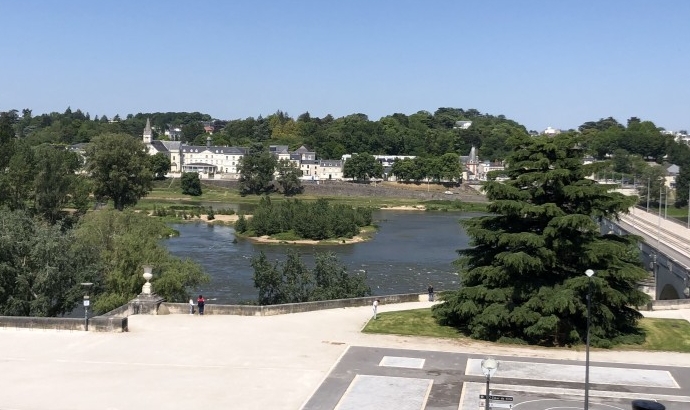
(524, 279)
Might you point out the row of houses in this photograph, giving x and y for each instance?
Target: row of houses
(221, 162)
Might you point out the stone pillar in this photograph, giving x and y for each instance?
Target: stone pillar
(145, 304)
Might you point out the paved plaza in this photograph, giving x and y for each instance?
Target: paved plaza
(312, 360)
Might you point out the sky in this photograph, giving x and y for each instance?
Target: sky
(539, 62)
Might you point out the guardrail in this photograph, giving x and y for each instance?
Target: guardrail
(658, 232)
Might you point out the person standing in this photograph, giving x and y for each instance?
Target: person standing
(375, 306)
(200, 304)
(430, 289)
(191, 306)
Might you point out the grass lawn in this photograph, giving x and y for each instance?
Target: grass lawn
(671, 335)
(169, 192)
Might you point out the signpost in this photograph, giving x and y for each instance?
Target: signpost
(497, 398)
(495, 402)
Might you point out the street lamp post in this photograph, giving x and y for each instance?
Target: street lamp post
(666, 202)
(87, 302)
(654, 266)
(589, 274)
(648, 187)
(489, 367)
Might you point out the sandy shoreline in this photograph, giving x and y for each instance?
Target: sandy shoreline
(344, 241)
(404, 208)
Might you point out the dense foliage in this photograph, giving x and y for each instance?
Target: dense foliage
(41, 266)
(288, 178)
(293, 282)
(362, 167)
(123, 242)
(421, 134)
(316, 220)
(524, 279)
(160, 165)
(119, 167)
(256, 169)
(191, 184)
(444, 168)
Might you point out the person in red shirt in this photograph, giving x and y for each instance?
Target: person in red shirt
(200, 304)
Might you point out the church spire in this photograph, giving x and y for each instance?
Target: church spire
(148, 134)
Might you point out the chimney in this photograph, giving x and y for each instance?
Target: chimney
(208, 141)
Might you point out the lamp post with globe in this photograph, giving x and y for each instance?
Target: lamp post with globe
(489, 367)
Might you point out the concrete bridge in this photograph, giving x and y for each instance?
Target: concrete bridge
(665, 251)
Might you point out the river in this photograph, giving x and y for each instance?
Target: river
(410, 251)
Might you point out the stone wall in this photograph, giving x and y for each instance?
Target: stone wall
(96, 324)
(270, 310)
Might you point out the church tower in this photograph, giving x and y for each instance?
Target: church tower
(148, 134)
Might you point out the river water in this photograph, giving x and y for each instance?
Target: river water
(410, 251)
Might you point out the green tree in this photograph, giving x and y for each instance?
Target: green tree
(241, 224)
(293, 282)
(332, 280)
(41, 267)
(7, 120)
(403, 169)
(524, 278)
(683, 186)
(119, 168)
(450, 167)
(54, 180)
(191, 184)
(124, 242)
(362, 167)
(256, 171)
(268, 280)
(192, 131)
(80, 190)
(17, 183)
(297, 279)
(288, 177)
(160, 165)
(651, 185)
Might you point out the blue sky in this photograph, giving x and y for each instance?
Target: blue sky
(542, 63)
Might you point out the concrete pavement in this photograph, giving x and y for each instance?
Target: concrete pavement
(235, 362)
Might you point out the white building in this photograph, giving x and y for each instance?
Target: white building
(483, 169)
(209, 161)
(462, 125)
(551, 131)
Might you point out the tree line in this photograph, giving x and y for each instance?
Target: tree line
(292, 282)
(422, 134)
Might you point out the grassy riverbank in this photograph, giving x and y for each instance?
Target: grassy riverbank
(168, 192)
(672, 335)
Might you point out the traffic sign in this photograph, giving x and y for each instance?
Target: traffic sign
(497, 398)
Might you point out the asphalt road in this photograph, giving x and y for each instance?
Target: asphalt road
(384, 379)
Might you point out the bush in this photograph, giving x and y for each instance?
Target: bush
(191, 185)
(241, 224)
